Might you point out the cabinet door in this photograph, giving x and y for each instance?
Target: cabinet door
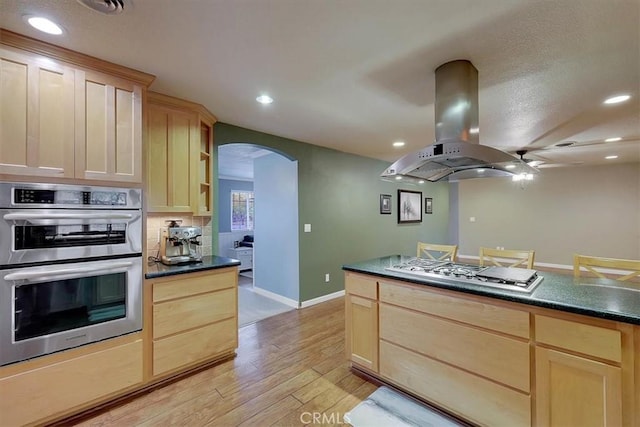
(37, 394)
(362, 331)
(36, 116)
(575, 391)
(108, 135)
(169, 159)
(203, 201)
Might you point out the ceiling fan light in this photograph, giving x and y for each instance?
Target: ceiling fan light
(398, 144)
(510, 167)
(264, 99)
(617, 99)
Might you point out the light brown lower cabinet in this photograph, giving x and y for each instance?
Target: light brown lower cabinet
(579, 379)
(460, 392)
(576, 391)
(195, 318)
(492, 362)
(40, 393)
(361, 318)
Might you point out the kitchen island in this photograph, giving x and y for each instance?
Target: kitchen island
(568, 353)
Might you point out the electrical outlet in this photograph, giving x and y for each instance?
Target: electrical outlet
(326, 277)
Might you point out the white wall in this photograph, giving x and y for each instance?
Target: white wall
(589, 210)
(275, 250)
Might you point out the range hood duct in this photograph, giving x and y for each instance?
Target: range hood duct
(457, 153)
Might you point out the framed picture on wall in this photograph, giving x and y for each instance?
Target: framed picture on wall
(428, 205)
(385, 203)
(409, 206)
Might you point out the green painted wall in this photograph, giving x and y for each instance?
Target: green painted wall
(338, 194)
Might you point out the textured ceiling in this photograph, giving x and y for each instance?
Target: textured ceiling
(356, 75)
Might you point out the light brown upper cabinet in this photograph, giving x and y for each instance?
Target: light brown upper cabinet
(67, 115)
(179, 156)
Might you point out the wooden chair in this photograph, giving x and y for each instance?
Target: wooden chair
(437, 252)
(506, 258)
(590, 263)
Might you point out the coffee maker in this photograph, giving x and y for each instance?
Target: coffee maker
(180, 245)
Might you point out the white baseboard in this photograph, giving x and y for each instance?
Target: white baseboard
(265, 293)
(323, 298)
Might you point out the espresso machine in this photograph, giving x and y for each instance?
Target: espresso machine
(180, 245)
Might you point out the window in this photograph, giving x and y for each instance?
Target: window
(241, 210)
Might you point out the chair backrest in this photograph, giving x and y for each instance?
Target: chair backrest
(437, 252)
(506, 258)
(621, 266)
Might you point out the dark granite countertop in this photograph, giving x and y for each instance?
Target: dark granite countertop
(210, 262)
(604, 298)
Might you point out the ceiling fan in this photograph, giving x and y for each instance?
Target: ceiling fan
(537, 161)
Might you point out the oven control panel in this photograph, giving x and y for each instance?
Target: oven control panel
(62, 197)
(68, 196)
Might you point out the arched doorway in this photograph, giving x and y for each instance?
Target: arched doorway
(272, 178)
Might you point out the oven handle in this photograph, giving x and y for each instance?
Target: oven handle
(46, 219)
(67, 273)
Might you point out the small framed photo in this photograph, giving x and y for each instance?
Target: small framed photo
(409, 206)
(385, 203)
(428, 205)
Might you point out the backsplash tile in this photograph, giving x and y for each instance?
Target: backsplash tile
(156, 221)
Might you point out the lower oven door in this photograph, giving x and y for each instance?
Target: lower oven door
(46, 309)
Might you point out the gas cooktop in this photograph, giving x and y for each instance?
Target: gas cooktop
(513, 279)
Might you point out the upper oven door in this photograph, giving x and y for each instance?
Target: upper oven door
(39, 235)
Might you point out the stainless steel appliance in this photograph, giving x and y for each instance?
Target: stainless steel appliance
(180, 245)
(513, 279)
(457, 153)
(70, 267)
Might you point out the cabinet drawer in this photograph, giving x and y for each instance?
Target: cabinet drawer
(183, 314)
(361, 285)
(187, 285)
(591, 340)
(180, 350)
(60, 387)
(473, 398)
(477, 313)
(497, 357)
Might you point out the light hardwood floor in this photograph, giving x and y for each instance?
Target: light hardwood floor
(290, 370)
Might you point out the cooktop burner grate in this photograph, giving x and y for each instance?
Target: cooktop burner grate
(515, 279)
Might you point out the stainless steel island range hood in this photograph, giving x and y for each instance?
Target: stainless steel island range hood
(456, 154)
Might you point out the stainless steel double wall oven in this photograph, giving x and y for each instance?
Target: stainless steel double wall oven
(70, 267)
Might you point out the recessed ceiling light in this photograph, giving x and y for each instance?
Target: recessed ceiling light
(398, 144)
(617, 99)
(264, 99)
(43, 24)
(611, 157)
(617, 138)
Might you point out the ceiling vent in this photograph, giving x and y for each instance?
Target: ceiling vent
(106, 7)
